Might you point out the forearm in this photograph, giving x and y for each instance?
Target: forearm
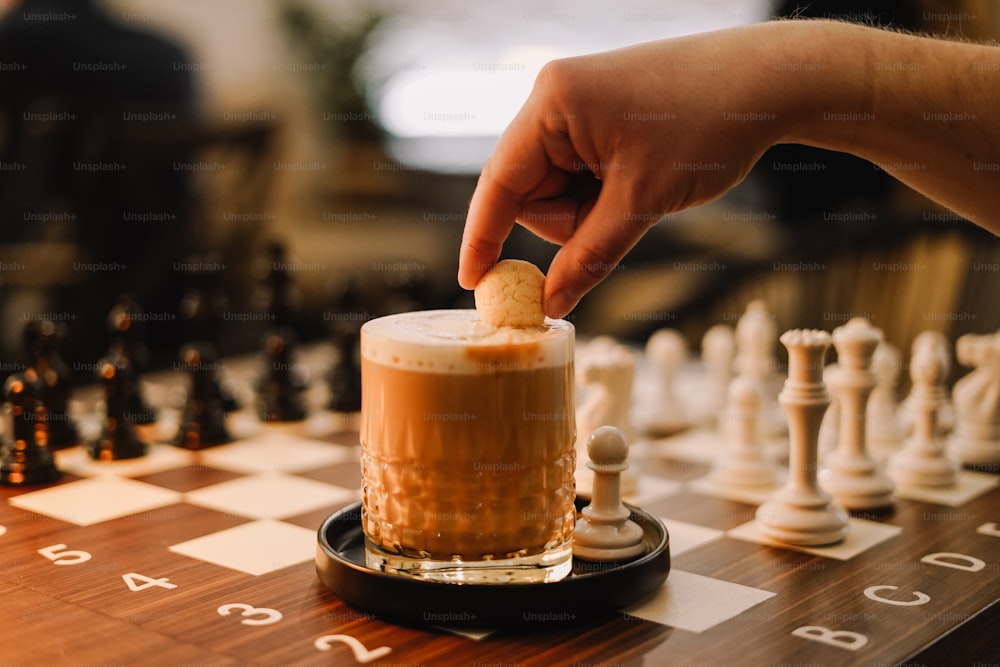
(927, 111)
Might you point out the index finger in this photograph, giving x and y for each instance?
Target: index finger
(519, 164)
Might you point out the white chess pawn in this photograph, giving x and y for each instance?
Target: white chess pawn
(976, 399)
(742, 463)
(718, 352)
(801, 513)
(884, 433)
(605, 532)
(922, 461)
(850, 475)
(666, 350)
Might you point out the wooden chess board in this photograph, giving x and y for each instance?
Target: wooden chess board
(208, 558)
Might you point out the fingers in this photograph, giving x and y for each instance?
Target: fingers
(492, 212)
(604, 235)
(517, 167)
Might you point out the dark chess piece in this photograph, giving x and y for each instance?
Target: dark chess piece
(346, 317)
(204, 300)
(128, 341)
(344, 378)
(42, 339)
(279, 389)
(118, 439)
(407, 288)
(26, 459)
(276, 293)
(203, 421)
(200, 310)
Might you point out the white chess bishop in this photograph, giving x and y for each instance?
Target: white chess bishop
(755, 337)
(976, 401)
(923, 462)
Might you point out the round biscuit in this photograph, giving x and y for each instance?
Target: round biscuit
(510, 295)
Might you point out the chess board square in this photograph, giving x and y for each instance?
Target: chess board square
(96, 499)
(270, 495)
(861, 536)
(77, 461)
(749, 495)
(276, 450)
(256, 548)
(685, 536)
(968, 486)
(696, 603)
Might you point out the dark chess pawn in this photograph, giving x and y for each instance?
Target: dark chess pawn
(128, 341)
(119, 438)
(203, 421)
(42, 339)
(204, 300)
(26, 459)
(280, 389)
(276, 293)
(344, 377)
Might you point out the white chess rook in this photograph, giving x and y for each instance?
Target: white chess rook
(605, 532)
(851, 476)
(800, 513)
(923, 461)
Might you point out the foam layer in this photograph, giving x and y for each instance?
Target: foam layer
(458, 341)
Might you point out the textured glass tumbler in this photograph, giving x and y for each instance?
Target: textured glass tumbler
(467, 436)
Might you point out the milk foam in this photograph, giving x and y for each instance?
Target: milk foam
(458, 341)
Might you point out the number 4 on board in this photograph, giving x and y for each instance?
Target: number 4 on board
(140, 582)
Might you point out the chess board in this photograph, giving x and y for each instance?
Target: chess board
(207, 557)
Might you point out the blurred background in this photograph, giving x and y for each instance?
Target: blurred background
(193, 155)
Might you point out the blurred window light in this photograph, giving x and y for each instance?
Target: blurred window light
(446, 82)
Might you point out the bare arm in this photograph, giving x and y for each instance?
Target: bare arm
(607, 144)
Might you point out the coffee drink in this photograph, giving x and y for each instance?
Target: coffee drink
(467, 436)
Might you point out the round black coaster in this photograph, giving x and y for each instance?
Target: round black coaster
(592, 590)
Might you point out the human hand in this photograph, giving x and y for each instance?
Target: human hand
(607, 144)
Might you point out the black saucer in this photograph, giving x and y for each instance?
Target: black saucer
(592, 590)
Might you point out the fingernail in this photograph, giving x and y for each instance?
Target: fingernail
(558, 304)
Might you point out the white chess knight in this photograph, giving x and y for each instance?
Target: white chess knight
(922, 462)
(666, 351)
(742, 463)
(606, 371)
(850, 475)
(976, 401)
